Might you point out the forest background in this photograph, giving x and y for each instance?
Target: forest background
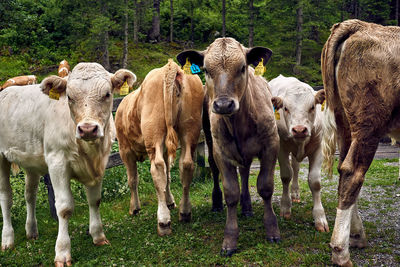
(35, 35)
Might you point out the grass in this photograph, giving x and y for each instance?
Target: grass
(134, 240)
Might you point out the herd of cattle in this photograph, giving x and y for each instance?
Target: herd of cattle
(70, 129)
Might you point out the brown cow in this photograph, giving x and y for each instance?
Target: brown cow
(20, 80)
(166, 108)
(360, 69)
(63, 69)
(242, 127)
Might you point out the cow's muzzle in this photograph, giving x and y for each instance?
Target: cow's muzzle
(224, 105)
(88, 131)
(300, 131)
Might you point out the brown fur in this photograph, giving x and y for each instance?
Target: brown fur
(64, 69)
(19, 80)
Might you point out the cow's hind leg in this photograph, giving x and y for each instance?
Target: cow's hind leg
(130, 160)
(158, 171)
(186, 167)
(294, 187)
(245, 200)
(352, 172)
(168, 194)
(31, 188)
(358, 238)
(93, 195)
(286, 176)
(7, 234)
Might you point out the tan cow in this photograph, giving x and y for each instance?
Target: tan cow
(150, 121)
(63, 69)
(361, 70)
(69, 138)
(242, 127)
(20, 80)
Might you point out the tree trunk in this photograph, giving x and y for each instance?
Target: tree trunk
(136, 21)
(171, 25)
(223, 19)
(191, 24)
(299, 30)
(105, 59)
(125, 52)
(154, 35)
(251, 24)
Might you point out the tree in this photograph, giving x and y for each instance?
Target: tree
(171, 25)
(154, 34)
(299, 31)
(125, 51)
(223, 18)
(251, 23)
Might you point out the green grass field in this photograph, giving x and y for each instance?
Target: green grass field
(134, 240)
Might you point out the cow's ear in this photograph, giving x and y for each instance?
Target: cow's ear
(255, 54)
(121, 76)
(320, 97)
(55, 83)
(196, 57)
(277, 102)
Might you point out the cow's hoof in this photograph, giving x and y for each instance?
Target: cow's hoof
(185, 217)
(171, 206)
(322, 227)
(134, 212)
(286, 215)
(273, 239)
(102, 243)
(7, 247)
(356, 241)
(61, 263)
(164, 229)
(228, 252)
(33, 236)
(248, 213)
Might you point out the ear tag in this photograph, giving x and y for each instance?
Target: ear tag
(260, 69)
(323, 105)
(277, 115)
(195, 69)
(186, 68)
(53, 94)
(124, 89)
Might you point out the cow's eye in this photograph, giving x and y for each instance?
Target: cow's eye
(107, 95)
(205, 71)
(286, 109)
(70, 99)
(312, 108)
(243, 69)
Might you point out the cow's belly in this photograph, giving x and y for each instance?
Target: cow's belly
(32, 161)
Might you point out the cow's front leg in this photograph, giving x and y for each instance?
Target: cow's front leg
(245, 200)
(358, 238)
(286, 177)
(65, 207)
(186, 167)
(231, 194)
(158, 171)
(314, 182)
(294, 187)
(31, 187)
(265, 187)
(7, 234)
(93, 195)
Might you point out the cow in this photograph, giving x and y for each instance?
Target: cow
(300, 132)
(360, 71)
(63, 69)
(68, 138)
(20, 80)
(242, 127)
(150, 121)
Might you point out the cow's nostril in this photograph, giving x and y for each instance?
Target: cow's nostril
(230, 104)
(95, 129)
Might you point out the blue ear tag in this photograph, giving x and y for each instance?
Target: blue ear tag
(195, 69)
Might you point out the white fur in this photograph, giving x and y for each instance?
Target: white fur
(341, 236)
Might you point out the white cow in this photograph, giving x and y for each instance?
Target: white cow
(300, 130)
(67, 138)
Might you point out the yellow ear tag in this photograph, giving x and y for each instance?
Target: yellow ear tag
(323, 105)
(124, 89)
(53, 94)
(186, 67)
(260, 69)
(277, 115)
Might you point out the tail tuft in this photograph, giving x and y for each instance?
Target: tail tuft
(328, 141)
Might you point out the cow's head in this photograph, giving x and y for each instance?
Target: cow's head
(299, 109)
(89, 91)
(225, 63)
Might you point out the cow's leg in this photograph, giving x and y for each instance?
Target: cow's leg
(93, 195)
(294, 187)
(186, 167)
(64, 205)
(286, 176)
(245, 200)
(31, 187)
(158, 171)
(168, 194)
(314, 182)
(7, 234)
(129, 160)
(357, 234)
(265, 187)
(352, 171)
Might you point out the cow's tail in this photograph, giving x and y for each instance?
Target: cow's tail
(172, 71)
(15, 168)
(329, 59)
